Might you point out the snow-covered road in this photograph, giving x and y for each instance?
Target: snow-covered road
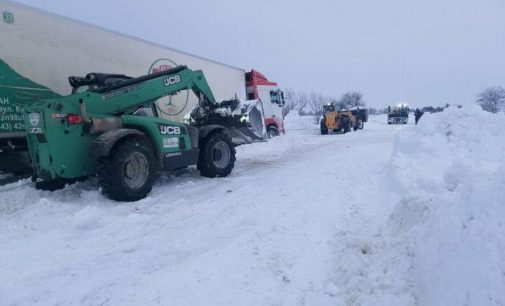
(299, 222)
(268, 234)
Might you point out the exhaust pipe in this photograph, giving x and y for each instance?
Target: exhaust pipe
(84, 117)
(99, 125)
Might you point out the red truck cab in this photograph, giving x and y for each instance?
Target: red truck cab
(259, 87)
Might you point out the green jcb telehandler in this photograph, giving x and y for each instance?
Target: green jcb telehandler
(111, 130)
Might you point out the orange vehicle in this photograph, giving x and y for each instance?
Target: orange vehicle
(338, 121)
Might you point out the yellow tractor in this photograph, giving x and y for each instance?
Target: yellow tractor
(338, 121)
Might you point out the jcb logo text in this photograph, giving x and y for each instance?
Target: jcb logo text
(172, 80)
(170, 130)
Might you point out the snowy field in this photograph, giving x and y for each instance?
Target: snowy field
(390, 215)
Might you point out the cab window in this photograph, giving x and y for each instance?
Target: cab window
(277, 97)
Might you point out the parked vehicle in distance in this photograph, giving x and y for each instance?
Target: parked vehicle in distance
(341, 121)
(398, 114)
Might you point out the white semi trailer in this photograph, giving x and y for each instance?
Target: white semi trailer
(40, 50)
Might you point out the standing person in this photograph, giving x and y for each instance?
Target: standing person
(417, 114)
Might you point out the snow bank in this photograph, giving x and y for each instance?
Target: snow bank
(450, 173)
(442, 240)
(293, 121)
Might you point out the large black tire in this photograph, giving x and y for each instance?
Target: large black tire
(217, 155)
(272, 132)
(361, 124)
(346, 124)
(128, 173)
(324, 128)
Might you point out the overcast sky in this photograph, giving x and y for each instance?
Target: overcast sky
(425, 52)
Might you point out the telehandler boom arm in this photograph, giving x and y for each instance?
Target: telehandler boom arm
(128, 95)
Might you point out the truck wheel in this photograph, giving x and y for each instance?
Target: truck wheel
(361, 125)
(346, 124)
(128, 173)
(217, 156)
(324, 128)
(272, 132)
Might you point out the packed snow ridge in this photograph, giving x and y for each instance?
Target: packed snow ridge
(388, 215)
(450, 171)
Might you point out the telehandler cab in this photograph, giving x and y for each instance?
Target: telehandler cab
(109, 128)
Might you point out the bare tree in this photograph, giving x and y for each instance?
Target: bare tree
(492, 99)
(290, 100)
(302, 99)
(351, 99)
(315, 103)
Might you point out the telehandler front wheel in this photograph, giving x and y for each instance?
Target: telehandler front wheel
(128, 173)
(217, 156)
(361, 125)
(324, 128)
(346, 124)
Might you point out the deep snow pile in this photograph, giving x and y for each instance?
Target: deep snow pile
(450, 173)
(444, 240)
